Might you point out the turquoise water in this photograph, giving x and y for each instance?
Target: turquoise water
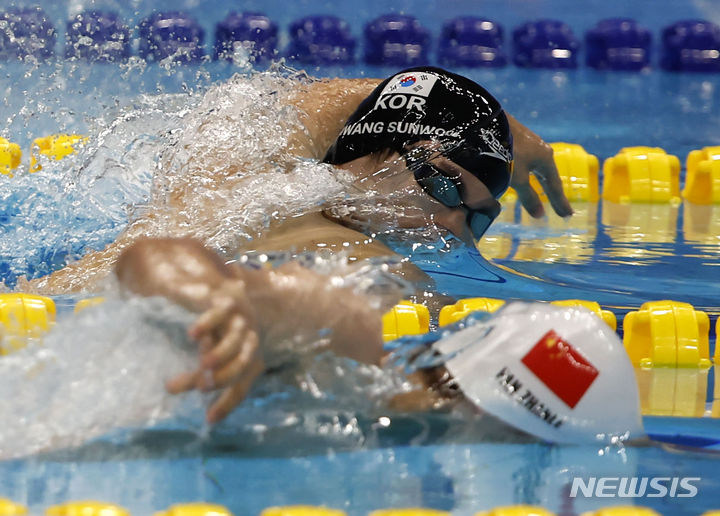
(460, 477)
(316, 451)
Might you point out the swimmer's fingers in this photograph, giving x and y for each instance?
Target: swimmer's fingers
(520, 179)
(230, 357)
(532, 154)
(211, 318)
(229, 302)
(206, 343)
(547, 173)
(529, 198)
(235, 334)
(236, 368)
(182, 382)
(236, 393)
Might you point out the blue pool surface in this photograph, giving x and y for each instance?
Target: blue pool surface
(611, 254)
(461, 478)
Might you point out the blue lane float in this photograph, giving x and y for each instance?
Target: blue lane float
(321, 40)
(391, 40)
(171, 35)
(618, 44)
(27, 32)
(250, 33)
(545, 44)
(691, 46)
(396, 40)
(97, 36)
(473, 42)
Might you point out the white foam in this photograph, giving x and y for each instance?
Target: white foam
(100, 370)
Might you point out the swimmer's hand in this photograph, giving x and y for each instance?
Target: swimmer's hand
(230, 357)
(532, 154)
(187, 273)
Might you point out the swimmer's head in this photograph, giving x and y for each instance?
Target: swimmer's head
(447, 128)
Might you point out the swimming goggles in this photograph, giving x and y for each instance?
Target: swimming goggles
(446, 190)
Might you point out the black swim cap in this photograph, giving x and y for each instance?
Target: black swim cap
(428, 103)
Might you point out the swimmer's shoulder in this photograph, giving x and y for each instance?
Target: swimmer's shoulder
(328, 89)
(325, 105)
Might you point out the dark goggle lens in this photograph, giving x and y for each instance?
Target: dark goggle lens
(479, 223)
(446, 191)
(493, 172)
(438, 186)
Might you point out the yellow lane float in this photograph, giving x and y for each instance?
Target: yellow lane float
(702, 179)
(453, 313)
(23, 317)
(667, 334)
(195, 509)
(642, 174)
(10, 156)
(405, 318)
(56, 146)
(86, 508)
(302, 510)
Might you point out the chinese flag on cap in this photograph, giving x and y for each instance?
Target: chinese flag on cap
(561, 368)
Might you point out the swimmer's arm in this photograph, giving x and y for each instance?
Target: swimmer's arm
(88, 273)
(532, 154)
(84, 275)
(282, 302)
(244, 309)
(226, 332)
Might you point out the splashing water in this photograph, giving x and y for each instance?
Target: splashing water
(142, 155)
(101, 373)
(137, 160)
(104, 369)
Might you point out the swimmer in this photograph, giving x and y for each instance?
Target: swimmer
(437, 138)
(245, 312)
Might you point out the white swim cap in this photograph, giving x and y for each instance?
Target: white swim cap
(559, 373)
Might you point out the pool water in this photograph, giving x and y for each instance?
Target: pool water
(296, 449)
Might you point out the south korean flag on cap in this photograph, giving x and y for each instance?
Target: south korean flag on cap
(558, 373)
(414, 83)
